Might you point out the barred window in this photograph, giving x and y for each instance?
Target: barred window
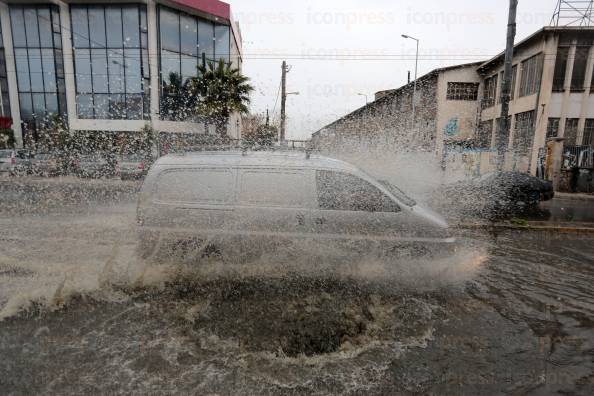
(484, 134)
(588, 139)
(578, 76)
(490, 90)
(553, 127)
(531, 75)
(513, 81)
(503, 132)
(512, 88)
(524, 132)
(571, 131)
(560, 69)
(462, 91)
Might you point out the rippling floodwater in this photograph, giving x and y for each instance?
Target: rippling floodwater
(82, 314)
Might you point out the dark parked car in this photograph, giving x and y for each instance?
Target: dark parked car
(46, 164)
(496, 195)
(132, 166)
(95, 165)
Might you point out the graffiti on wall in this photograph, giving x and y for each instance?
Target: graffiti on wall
(452, 128)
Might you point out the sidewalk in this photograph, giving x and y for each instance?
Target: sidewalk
(574, 196)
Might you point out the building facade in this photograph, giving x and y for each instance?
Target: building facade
(551, 110)
(109, 66)
(552, 103)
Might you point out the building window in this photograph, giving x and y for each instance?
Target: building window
(489, 92)
(37, 40)
(560, 69)
(484, 134)
(513, 82)
(588, 138)
(4, 98)
(500, 131)
(531, 74)
(578, 77)
(592, 83)
(524, 132)
(571, 131)
(512, 86)
(111, 61)
(553, 127)
(462, 91)
(185, 42)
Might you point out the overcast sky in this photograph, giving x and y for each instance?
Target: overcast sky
(451, 32)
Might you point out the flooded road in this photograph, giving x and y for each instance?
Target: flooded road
(82, 314)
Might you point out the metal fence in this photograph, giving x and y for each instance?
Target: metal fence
(578, 157)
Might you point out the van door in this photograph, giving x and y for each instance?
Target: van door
(194, 201)
(274, 205)
(354, 212)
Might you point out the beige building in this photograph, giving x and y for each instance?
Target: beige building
(552, 99)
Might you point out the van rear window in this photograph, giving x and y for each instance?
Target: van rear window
(195, 186)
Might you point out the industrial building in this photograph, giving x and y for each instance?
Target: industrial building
(457, 109)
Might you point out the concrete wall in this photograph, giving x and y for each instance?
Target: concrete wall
(456, 119)
(387, 122)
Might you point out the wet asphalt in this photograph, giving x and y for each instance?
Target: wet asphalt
(83, 314)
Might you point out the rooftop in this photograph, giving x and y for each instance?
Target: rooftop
(535, 36)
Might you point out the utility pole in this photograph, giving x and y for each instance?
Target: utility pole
(283, 102)
(503, 127)
(267, 118)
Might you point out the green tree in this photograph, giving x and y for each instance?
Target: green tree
(222, 90)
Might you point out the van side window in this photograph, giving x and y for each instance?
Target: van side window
(272, 188)
(341, 191)
(207, 186)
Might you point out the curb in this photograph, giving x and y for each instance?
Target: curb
(573, 197)
(587, 228)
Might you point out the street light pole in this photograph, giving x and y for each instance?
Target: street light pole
(366, 100)
(415, 82)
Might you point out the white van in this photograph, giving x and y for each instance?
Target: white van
(258, 197)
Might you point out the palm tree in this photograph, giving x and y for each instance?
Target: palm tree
(222, 90)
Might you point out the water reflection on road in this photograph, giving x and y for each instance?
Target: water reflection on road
(523, 324)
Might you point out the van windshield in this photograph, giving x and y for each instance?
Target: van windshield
(398, 193)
